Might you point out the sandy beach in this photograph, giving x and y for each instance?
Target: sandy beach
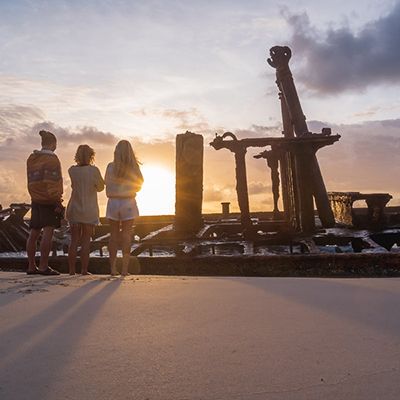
(153, 337)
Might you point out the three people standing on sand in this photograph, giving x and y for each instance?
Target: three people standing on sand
(123, 180)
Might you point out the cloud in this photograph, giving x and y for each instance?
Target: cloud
(182, 119)
(17, 118)
(258, 188)
(365, 159)
(217, 193)
(339, 59)
(259, 130)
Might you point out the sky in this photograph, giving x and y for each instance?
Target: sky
(98, 71)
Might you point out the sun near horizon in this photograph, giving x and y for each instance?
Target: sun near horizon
(157, 196)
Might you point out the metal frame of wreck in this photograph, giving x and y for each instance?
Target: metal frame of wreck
(294, 172)
(293, 163)
(292, 157)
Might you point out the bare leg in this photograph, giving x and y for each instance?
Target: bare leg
(126, 245)
(113, 246)
(87, 232)
(45, 247)
(31, 248)
(73, 247)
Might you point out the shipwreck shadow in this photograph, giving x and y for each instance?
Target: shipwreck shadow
(372, 307)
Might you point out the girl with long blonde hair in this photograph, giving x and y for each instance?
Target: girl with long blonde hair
(123, 180)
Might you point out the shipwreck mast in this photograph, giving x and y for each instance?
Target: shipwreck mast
(304, 167)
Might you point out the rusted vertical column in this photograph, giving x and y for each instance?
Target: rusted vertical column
(273, 163)
(239, 151)
(376, 208)
(289, 189)
(241, 188)
(272, 158)
(288, 169)
(304, 189)
(189, 183)
(285, 185)
(225, 209)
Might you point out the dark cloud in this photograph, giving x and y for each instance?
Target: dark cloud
(340, 59)
(79, 135)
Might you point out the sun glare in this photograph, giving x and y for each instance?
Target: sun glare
(157, 196)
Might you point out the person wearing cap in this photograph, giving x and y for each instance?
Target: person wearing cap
(45, 187)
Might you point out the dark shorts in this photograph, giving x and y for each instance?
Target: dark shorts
(45, 215)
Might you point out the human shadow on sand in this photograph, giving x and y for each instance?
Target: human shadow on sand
(35, 325)
(38, 364)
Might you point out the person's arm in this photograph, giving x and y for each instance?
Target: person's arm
(107, 175)
(28, 175)
(60, 186)
(99, 182)
(70, 177)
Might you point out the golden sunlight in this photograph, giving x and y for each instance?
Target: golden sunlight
(157, 196)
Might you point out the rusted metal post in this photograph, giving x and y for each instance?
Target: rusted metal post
(288, 168)
(241, 189)
(304, 190)
(239, 150)
(225, 209)
(272, 158)
(189, 183)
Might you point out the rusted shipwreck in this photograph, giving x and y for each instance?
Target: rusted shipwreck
(295, 175)
(336, 238)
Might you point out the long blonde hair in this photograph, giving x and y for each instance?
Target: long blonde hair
(125, 161)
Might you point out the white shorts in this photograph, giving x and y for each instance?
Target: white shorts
(121, 209)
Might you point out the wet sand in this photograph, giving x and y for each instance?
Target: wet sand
(152, 337)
